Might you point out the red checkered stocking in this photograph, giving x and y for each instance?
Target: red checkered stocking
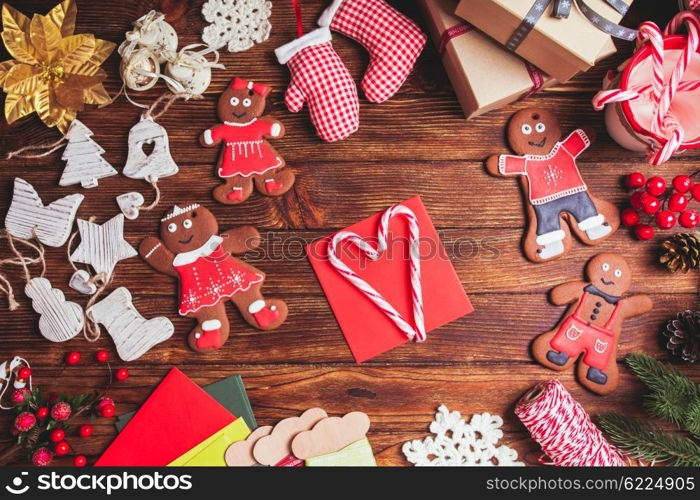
(393, 41)
(320, 79)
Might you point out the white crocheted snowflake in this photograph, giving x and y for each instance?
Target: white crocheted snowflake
(240, 24)
(457, 443)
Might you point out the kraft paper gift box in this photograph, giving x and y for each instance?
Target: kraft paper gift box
(560, 47)
(484, 75)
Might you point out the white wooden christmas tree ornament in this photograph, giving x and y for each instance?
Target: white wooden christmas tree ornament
(133, 334)
(80, 282)
(130, 203)
(159, 163)
(83, 157)
(27, 215)
(102, 246)
(59, 320)
(457, 443)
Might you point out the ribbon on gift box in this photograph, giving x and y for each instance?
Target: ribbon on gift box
(561, 10)
(460, 29)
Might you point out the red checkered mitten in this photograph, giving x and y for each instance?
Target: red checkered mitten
(393, 41)
(320, 79)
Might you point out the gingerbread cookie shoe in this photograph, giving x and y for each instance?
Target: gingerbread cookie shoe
(558, 201)
(247, 159)
(592, 324)
(191, 249)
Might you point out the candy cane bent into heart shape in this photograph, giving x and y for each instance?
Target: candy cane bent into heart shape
(416, 331)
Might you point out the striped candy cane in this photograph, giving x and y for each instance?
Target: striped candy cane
(417, 330)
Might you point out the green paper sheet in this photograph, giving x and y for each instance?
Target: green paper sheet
(229, 392)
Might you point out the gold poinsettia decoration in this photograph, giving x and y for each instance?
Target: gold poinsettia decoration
(54, 72)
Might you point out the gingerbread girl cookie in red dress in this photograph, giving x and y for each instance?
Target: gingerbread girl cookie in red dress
(593, 323)
(558, 200)
(246, 158)
(191, 249)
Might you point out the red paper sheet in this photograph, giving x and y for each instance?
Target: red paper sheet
(176, 417)
(367, 330)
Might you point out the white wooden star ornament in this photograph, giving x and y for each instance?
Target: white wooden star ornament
(102, 245)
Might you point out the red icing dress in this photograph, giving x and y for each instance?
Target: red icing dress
(245, 152)
(208, 275)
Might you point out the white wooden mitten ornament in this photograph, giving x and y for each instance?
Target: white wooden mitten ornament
(130, 203)
(102, 245)
(28, 215)
(159, 163)
(80, 282)
(83, 157)
(133, 335)
(59, 320)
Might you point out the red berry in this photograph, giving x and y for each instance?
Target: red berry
(650, 204)
(73, 358)
(42, 457)
(42, 412)
(122, 374)
(665, 219)
(104, 402)
(630, 217)
(102, 356)
(689, 218)
(60, 411)
(62, 448)
(656, 186)
(636, 199)
(25, 421)
(20, 395)
(635, 180)
(57, 435)
(677, 202)
(695, 192)
(24, 373)
(80, 461)
(85, 430)
(644, 231)
(682, 183)
(107, 411)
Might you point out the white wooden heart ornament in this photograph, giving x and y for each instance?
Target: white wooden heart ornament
(417, 330)
(60, 320)
(159, 163)
(129, 204)
(80, 282)
(133, 334)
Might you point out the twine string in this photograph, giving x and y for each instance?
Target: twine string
(47, 148)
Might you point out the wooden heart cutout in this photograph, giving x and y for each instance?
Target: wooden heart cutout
(129, 204)
(80, 282)
(417, 329)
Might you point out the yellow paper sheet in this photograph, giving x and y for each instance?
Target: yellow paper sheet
(358, 454)
(210, 452)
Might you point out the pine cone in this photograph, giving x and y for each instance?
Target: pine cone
(681, 252)
(683, 334)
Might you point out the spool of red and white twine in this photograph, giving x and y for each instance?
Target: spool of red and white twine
(563, 428)
(663, 88)
(412, 331)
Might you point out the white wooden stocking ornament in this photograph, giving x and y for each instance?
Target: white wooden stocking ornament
(80, 282)
(102, 245)
(27, 215)
(59, 320)
(133, 334)
(83, 157)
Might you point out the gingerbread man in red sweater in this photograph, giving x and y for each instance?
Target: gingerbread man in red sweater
(553, 185)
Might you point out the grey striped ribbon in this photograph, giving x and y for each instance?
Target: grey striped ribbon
(561, 10)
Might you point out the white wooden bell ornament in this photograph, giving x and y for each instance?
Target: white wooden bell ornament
(191, 69)
(159, 163)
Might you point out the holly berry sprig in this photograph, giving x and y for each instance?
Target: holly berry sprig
(653, 201)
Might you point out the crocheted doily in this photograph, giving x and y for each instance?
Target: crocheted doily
(457, 443)
(238, 23)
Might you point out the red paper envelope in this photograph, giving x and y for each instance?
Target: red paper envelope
(368, 331)
(176, 417)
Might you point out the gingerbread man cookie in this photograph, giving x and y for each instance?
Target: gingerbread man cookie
(246, 157)
(190, 248)
(553, 186)
(593, 323)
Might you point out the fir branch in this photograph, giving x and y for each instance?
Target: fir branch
(640, 440)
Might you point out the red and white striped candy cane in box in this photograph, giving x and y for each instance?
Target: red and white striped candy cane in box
(412, 331)
(649, 116)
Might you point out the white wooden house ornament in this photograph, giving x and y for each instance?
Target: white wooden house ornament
(159, 163)
(83, 157)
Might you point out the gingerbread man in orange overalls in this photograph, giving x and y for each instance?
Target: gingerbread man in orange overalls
(593, 323)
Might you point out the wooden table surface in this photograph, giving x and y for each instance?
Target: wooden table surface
(416, 143)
